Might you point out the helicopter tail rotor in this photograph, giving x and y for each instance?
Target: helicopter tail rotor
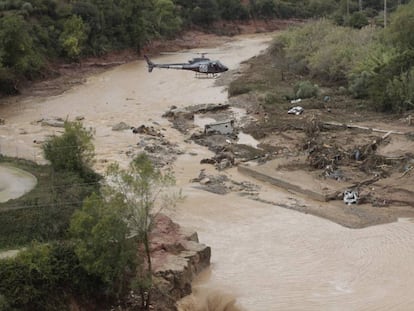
(150, 64)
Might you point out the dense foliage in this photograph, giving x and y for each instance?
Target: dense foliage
(107, 250)
(73, 151)
(34, 32)
(102, 240)
(374, 63)
(45, 277)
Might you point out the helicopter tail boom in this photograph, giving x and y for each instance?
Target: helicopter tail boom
(150, 64)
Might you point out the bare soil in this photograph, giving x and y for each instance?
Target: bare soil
(336, 144)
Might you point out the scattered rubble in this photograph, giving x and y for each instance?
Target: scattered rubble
(182, 118)
(147, 130)
(222, 184)
(53, 121)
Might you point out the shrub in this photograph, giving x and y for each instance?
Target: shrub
(395, 73)
(42, 277)
(305, 89)
(358, 84)
(238, 88)
(400, 91)
(358, 20)
(73, 151)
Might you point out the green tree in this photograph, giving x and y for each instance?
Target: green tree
(142, 189)
(103, 245)
(43, 277)
(166, 21)
(73, 37)
(232, 10)
(17, 49)
(205, 12)
(358, 20)
(401, 26)
(73, 151)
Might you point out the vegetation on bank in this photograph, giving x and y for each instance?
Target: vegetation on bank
(85, 241)
(35, 32)
(372, 63)
(44, 213)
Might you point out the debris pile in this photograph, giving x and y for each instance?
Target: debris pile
(222, 184)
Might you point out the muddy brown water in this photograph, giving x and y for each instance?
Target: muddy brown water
(264, 256)
(14, 182)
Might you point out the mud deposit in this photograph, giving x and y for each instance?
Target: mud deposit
(14, 182)
(264, 257)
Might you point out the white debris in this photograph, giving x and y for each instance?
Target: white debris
(295, 101)
(350, 197)
(296, 110)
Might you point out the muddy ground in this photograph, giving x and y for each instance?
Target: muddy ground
(338, 150)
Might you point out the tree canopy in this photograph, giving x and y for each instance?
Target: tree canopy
(35, 32)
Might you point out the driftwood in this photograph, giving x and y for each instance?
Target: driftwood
(366, 128)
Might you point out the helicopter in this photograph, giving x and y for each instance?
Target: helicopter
(203, 66)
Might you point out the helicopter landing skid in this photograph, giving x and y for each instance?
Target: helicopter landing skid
(200, 75)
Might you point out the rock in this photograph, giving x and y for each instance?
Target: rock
(121, 126)
(177, 258)
(223, 164)
(225, 155)
(205, 181)
(148, 130)
(54, 122)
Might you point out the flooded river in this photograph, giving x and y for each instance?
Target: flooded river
(267, 257)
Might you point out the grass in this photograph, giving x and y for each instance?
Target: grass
(44, 213)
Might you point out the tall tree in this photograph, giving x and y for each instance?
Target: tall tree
(103, 245)
(17, 48)
(142, 188)
(73, 37)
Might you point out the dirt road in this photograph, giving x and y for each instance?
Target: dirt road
(268, 257)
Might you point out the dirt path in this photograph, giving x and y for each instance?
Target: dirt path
(269, 258)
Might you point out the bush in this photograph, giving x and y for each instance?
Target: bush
(42, 278)
(396, 73)
(358, 85)
(305, 89)
(400, 92)
(358, 20)
(238, 87)
(73, 151)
